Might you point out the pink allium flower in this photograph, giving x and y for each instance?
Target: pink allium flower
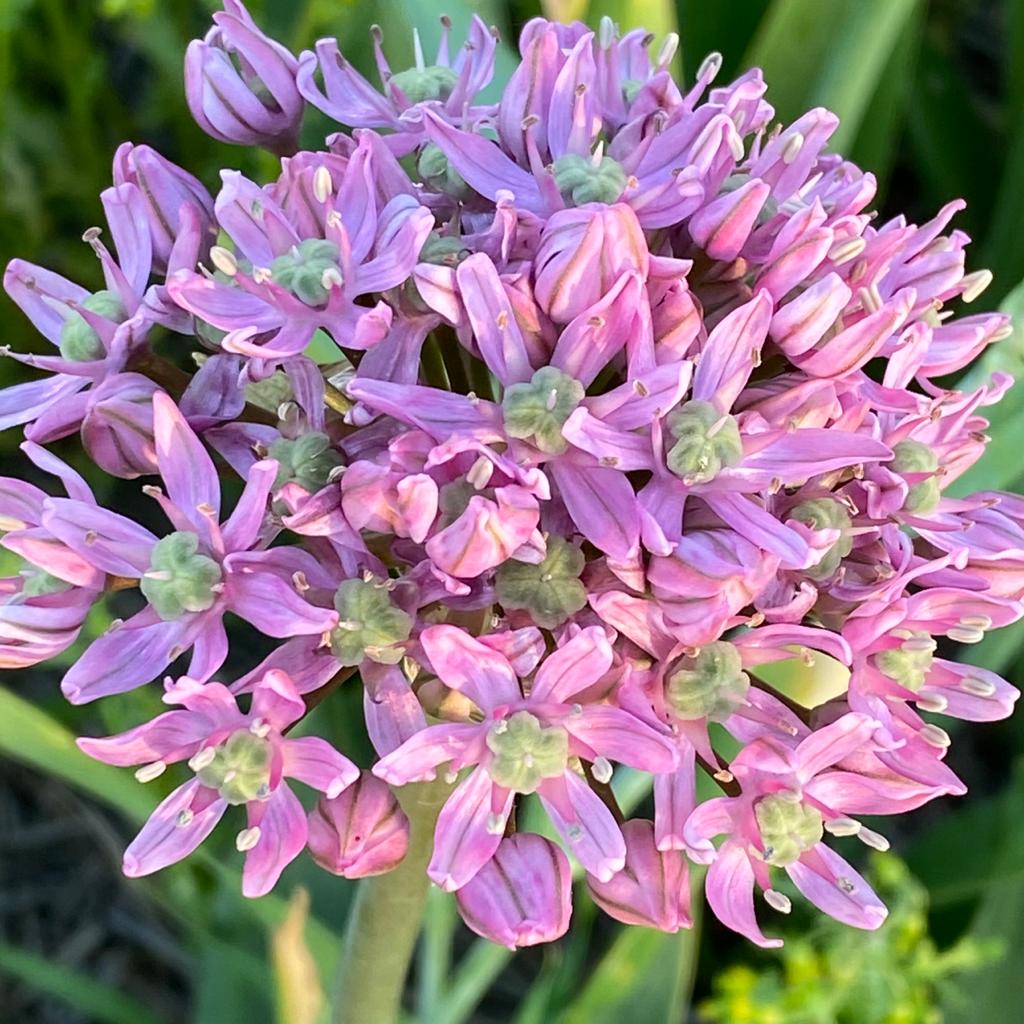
(632, 403)
(239, 759)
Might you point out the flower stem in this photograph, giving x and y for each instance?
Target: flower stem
(386, 920)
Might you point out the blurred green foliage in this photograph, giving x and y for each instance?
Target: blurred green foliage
(931, 93)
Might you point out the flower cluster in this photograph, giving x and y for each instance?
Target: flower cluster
(629, 407)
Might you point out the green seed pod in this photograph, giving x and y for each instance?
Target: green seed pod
(826, 514)
(526, 753)
(915, 457)
(711, 685)
(581, 180)
(707, 441)
(420, 85)
(551, 590)
(180, 579)
(78, 341)
(910, 663)
(437, 171)
(370, 625)
(240, 768)
(308, 460)
(536, 412)
(788, 828)
(301, 270)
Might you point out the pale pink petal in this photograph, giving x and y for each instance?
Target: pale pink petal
(466, 665)
(283, 830)
(573, 667)
(835, 888)
(730, 893)
(315, 762)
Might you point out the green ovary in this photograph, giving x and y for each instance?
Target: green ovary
(711, 685)
(915, 457)
(583, 181)
(240, 769)
(706, 442)
(550, 591)
(910, 663)
(78, 341)
(369, 626)
(420, 85)
(301, 270)
(536, 412)
(179, 579)
(826, 514)
(308, 460)
(526, 753)
(788, 828)
(437, 171)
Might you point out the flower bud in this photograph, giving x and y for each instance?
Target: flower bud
(710, 685)
(117, 430)
(551, 590)
(652, 890)
(722, 227)
(166, 188)
(361, 832)
(582, 253)
(522, 896)
(369, 625)
(240, 85)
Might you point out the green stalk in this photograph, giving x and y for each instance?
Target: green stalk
(386, 920)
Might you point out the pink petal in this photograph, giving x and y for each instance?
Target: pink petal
(835, 888)
(418, 757)
(283, 830)
(730, 893)
(573, 667)
(466, 665)
(316, 763)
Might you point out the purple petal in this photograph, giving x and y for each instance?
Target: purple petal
(619, 736)
(835, 888)
(602, 504)
(273, 606)
(243, 525)
(172, 736)
(185, 466)
(104, 539)
(575, 666)
(466, 665)
(163, 840)
(418, 757)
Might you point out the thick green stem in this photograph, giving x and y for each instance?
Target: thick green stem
(386, 920)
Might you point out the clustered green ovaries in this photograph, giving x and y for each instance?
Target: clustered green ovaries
(308, 460)
(240, 769)
(79, 341)
(915, 457)
(537, 411)
(180, 579)
(421, 85)
(582, 180)
(711, 685)
(826, 514)
(301, 270)
(550, 590)
(910, 663)
(788, 828)
(706, 442)
(526, 753)
(369, 625)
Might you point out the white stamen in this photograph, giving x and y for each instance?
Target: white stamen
(966, 634)
(322, 184)
(184, 819)
(149, 772)
(791, 150)
(247, 838)
(709, 67)
(778, 901)
(668, 49)
(259, 727)
(495, 824)
(602, 770)
(480, 473)
(843, 826)
(224, 260)
(974, 284)
(202, 759)
(874, 839)
(331, 278)
(935, 737)
(847, 250)
(978, 687)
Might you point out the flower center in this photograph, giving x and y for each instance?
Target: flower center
(180, 579)
(537, 411)
(788, 828)
(79, 341)
(550, 591)
(420, 85)
(239, 769)
(826, 514)
(308, 460)
(585, 180)
(707, 441)
(910, 663)
(526, 753)
(710, 685)
(307, 270)
(915, 457)
(369, 625)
